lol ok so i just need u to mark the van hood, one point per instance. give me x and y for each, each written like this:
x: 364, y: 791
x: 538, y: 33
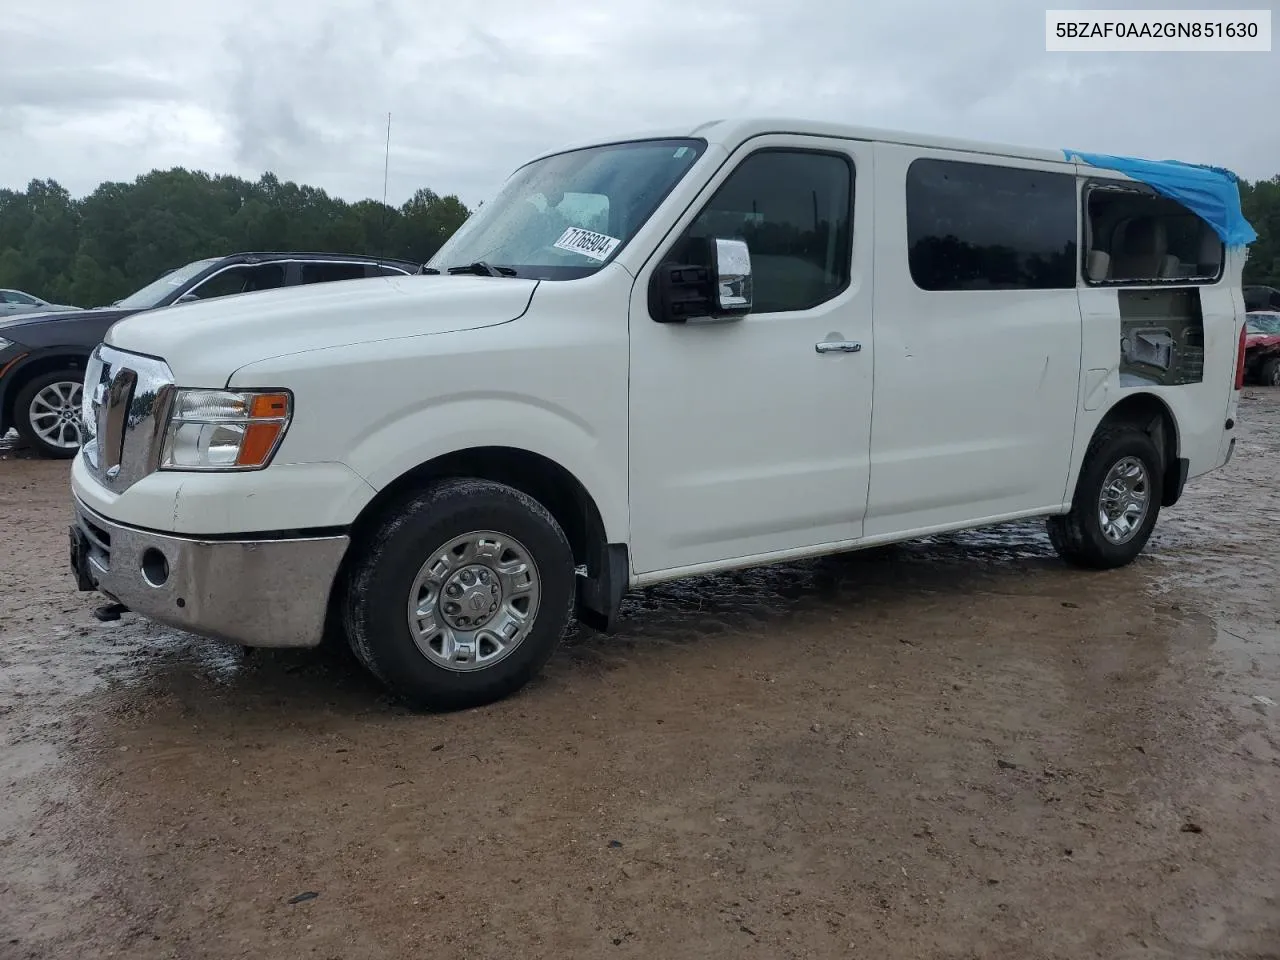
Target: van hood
x: 204, y: 343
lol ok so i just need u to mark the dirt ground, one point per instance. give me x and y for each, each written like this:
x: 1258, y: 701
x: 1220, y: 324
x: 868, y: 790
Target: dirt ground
x: 952, y: 748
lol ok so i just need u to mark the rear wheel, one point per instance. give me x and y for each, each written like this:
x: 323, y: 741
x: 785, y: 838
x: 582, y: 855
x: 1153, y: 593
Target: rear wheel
x: 1116, y: 503
x: 461, y: 595
x: 47, y: 413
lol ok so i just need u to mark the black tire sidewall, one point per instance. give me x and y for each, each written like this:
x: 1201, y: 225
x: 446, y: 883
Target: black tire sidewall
x: 378, y: 592
x: 1104, y: 456
x: 22, y: 411
x: 1270, y: 372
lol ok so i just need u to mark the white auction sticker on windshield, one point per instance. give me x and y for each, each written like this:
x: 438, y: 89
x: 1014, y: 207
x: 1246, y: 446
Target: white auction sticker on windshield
x: 597, y: 246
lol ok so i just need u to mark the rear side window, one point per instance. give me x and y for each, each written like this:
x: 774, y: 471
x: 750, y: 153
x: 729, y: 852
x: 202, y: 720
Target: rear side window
x: 327, y: 272
x: 1138, y: 238
x: 977, y: 226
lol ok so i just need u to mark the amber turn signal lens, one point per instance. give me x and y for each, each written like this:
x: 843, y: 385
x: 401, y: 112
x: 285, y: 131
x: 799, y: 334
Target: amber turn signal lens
x: 269, y: 405
x: 259, y: 440
x: 263, y: 430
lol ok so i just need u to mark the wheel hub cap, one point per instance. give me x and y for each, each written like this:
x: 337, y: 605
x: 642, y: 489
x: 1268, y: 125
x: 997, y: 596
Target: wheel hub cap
x: 1124, y: 500
x: 474, y: 601
x: 471, y: 597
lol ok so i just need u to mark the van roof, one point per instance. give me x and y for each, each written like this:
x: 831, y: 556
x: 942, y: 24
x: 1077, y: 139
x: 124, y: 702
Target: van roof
x: 731, y: 132
x: 1211, y: 192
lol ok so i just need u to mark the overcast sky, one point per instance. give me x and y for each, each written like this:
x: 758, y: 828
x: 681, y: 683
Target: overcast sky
x: 93, y: 91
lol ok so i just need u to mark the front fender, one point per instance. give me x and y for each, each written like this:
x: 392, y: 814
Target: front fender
x: 397, y: 444
x: 557, y: 389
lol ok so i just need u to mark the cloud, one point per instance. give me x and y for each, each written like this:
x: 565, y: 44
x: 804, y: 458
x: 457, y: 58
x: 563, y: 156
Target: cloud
x: 303, y: 87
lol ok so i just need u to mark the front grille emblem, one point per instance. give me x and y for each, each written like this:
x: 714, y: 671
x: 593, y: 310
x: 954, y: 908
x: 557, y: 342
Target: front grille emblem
x: 125, y: 402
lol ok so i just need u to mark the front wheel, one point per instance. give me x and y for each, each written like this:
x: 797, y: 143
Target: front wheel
x: 461, y: 595
x: 1116, y: 503
x: 1271, y: 373
x: 47, y: 413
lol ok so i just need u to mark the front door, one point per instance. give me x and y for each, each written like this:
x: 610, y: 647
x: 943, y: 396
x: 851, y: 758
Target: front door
x: 750, y: 437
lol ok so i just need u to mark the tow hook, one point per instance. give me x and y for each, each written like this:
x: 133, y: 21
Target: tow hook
x: 110, y: 612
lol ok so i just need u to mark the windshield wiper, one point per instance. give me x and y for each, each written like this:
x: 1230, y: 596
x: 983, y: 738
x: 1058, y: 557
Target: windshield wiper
x: 482, y: 269
x: 428, y: 270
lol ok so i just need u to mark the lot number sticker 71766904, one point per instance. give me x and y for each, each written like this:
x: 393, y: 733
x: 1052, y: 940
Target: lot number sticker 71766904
x: 597, y: 246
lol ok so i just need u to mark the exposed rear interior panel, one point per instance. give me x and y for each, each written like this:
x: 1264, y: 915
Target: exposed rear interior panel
x: 1161, y: 337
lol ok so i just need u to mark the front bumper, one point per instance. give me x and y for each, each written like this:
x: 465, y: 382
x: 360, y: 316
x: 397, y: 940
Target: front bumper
x: 259, y: 593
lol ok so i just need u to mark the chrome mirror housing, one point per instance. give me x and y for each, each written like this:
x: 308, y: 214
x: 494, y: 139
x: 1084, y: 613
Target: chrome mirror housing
x: 732, y: 276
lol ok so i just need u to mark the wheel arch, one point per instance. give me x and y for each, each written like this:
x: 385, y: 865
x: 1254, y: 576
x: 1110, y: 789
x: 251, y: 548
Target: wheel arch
x: 1155, y: 417
x: 606, y: 565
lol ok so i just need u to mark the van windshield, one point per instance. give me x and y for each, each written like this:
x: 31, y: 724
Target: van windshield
x: 564, y: 216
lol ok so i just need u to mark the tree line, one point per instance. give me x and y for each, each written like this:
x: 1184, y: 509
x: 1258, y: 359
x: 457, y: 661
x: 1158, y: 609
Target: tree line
x: 99, y: 248
x: 1260, y: 202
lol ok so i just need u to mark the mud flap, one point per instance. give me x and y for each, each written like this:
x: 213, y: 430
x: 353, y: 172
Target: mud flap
x: 80, y: 560
x: 1175, y: 481
x: 600, y: 592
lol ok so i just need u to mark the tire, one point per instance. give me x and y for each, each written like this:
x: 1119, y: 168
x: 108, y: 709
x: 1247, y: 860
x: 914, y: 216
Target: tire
x: 389, y: 574
x: 1270, y: 375
x: 1079, y: 537
x: 41, y: 410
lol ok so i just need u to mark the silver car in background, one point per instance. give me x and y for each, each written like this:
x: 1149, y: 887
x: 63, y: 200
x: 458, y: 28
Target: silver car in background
x: 13, y: 302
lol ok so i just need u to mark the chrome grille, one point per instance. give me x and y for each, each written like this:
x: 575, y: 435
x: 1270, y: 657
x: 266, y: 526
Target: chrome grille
x: 126, y: 400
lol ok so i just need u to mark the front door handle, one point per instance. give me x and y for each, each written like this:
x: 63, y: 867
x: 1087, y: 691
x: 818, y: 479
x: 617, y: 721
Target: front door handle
x: 838, y: 346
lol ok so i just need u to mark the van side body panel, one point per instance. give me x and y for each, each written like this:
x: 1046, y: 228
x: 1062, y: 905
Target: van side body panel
x: 976, y: 390
x: 1200, y: 410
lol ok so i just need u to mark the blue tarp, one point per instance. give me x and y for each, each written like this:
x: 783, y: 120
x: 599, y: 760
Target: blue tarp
x: 1211, y: 192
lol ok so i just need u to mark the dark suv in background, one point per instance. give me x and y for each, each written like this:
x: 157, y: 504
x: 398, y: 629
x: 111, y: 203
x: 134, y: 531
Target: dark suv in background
x: 43, y: 356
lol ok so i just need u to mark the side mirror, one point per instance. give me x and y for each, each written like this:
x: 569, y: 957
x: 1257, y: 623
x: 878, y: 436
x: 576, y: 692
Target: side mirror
x: 187, y: 298
x: 679, y: 293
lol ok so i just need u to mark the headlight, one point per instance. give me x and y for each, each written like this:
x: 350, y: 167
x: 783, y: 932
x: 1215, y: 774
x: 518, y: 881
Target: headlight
x: 224, y: 429
x: 5, y: 344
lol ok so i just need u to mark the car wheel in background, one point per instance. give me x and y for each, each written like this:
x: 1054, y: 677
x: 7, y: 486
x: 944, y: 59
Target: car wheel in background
x: 47, y: 413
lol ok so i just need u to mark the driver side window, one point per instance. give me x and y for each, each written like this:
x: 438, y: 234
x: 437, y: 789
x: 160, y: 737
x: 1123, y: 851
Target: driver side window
x: 794, y: 209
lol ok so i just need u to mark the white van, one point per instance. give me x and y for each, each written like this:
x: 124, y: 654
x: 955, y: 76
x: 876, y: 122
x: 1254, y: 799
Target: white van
x: 747, y: 342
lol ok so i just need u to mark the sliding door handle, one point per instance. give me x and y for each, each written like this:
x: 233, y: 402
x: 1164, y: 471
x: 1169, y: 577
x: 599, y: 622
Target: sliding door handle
x: 838, y: 346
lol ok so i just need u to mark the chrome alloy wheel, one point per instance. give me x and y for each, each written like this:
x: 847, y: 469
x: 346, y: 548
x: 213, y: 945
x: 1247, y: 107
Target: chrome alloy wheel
x: 474, y: 601
x: 54, y: 415
x: 1124, y: 500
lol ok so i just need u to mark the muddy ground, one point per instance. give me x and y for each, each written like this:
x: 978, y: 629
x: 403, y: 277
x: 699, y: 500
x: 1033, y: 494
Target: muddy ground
x: 952, y: 748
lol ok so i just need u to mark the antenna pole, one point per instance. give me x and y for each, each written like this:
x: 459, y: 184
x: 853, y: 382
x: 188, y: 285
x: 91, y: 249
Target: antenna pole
x: 386, y: 169
x: 386, y: 163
